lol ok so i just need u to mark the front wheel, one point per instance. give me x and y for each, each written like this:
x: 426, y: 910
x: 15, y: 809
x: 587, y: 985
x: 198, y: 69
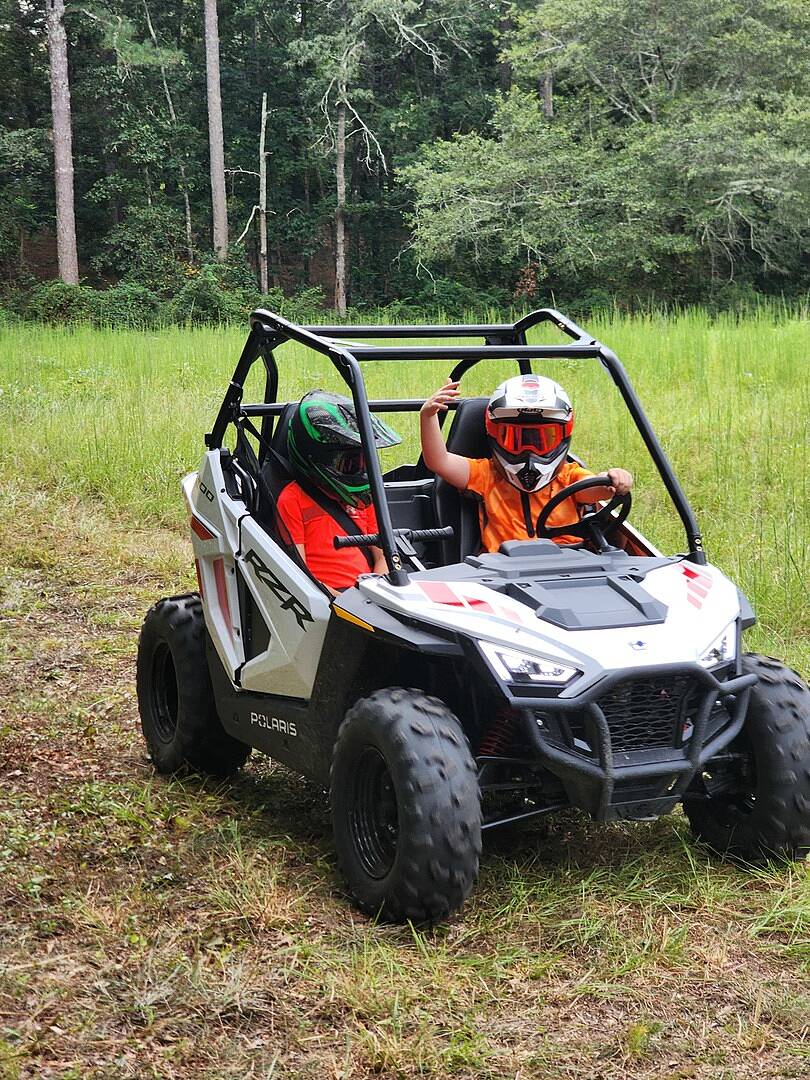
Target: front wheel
x: 753, y: 800
x: 406, y: 807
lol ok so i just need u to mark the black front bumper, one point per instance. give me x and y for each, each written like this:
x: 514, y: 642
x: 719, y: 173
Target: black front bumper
x: 630, y: 745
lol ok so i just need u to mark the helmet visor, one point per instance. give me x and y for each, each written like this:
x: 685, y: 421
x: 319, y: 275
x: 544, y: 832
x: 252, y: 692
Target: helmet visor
x: 350, y: 463
x: 541, y: 439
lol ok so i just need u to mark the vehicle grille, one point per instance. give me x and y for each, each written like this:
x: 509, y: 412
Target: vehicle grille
x: 646, y: 713
x: 641, y: 714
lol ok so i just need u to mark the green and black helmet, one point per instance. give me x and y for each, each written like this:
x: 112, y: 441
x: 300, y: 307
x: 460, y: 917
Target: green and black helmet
x: 325, y: 448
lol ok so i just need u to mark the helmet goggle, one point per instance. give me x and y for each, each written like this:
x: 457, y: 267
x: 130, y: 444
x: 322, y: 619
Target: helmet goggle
x: 521, y: 438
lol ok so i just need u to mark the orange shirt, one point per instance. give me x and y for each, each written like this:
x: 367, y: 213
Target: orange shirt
x: 501, y: 507
x: 309, y: 525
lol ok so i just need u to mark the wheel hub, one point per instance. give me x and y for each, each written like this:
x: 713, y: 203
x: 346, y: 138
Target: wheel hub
x: 164, y: 693
x: 374, y: 817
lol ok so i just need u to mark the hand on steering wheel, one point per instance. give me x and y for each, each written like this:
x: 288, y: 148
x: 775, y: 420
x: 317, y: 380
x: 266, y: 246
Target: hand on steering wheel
x: 596, y: 526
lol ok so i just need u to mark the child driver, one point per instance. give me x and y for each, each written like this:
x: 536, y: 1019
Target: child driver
x: 529, y: 421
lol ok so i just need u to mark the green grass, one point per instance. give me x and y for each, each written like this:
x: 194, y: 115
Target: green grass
x: 188, y: 930
x: 118, y: 417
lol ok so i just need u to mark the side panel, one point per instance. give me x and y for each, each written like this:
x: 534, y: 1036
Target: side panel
x: 215, y: 519
x: 281, y: 727
x: 299, y: 733
x: 295, y: 610
x: 353, y: 662
x: 228, y: 542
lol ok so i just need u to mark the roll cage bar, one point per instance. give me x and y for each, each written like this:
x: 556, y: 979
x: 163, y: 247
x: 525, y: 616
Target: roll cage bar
x: 501, y: 341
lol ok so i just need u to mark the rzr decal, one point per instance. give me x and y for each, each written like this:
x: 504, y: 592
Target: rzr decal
x: 289, y: 602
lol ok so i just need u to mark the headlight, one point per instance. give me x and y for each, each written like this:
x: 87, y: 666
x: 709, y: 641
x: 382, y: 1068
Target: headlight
x: 518, y: 668
x: 722, y: 649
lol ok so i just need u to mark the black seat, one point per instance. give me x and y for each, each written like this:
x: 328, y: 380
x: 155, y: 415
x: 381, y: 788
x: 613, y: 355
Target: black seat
x: 275, y: 476
x: 467, y: 437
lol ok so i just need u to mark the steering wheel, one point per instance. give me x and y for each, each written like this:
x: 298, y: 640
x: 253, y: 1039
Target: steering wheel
x: 596, y: 526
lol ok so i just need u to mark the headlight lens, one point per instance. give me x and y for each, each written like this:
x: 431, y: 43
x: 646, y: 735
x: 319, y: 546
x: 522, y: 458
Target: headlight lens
x: 518, y: 668
x: 722, y: 649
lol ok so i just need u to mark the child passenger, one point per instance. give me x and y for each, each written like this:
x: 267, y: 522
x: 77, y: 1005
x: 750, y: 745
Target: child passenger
x: 529, y: 421
x: 331, y: 489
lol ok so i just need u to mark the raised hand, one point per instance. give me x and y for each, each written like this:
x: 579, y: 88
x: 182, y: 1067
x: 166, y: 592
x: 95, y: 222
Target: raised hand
x: 439, y: 401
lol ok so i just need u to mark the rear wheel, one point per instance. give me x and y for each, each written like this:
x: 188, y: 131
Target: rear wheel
x: 405, y: 806
x: 175, y: 698
x: 753, y: 800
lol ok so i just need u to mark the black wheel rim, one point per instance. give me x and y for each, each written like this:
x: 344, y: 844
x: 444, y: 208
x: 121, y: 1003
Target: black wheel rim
x: 373, y: 817
x: 164, y: 693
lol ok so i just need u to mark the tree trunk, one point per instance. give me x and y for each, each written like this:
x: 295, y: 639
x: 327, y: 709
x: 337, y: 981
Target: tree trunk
x: 307, y: 261
x: 506, y: 26
x: 62, y: 144
x: 215, y: 136
x: 111, y: 170
x: 263, y: 202
x: 187, y: 210
x: 173, y: 115
x: 547, y: 87
x: 340, y: 212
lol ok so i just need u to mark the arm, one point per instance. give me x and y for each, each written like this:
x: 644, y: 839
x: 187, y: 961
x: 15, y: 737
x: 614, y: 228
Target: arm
x: 621, y: 480
x: 380, y: 565
x: 453, y: 468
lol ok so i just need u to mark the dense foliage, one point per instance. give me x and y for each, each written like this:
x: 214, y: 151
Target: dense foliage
x: 585, y: 150
x: 675, y: 164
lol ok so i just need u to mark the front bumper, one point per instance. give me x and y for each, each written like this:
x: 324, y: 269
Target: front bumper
x: 630, y: 745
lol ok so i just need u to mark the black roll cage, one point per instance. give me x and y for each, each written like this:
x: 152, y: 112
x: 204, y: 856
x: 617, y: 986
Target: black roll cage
x: 501, y: 341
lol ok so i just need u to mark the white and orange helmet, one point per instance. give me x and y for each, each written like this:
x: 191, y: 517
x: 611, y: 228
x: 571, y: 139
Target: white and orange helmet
x: 529, y: 421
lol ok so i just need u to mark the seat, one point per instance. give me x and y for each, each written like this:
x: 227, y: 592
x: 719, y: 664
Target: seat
x: 467, y: 437
x: 274, y: 476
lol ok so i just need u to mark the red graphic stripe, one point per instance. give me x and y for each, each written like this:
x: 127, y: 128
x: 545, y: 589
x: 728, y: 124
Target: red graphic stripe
x: 697, y: 585
x: 512, y: 616
x: 201, y: 531
x: 199, y: 578
x: 440, y: 593
x: 697, y: 575
x: 479, y: 605
x: 222, y: 593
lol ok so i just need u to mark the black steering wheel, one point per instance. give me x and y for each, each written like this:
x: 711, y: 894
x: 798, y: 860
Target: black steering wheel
x: 596, y: 526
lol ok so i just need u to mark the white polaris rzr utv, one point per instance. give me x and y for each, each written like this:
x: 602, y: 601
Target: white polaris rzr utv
x: 463, y: 691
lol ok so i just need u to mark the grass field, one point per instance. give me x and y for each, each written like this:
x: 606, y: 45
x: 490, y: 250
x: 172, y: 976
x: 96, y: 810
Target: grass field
x: 185, y: 929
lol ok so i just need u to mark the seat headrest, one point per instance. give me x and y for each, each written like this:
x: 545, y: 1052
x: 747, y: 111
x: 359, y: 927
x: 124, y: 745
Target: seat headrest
x: 468, y: 433
x: 279, y: 440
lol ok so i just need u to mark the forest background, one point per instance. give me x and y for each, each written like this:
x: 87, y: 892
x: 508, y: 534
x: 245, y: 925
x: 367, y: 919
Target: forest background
x: 451, y: 154
x: 424, y: 161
